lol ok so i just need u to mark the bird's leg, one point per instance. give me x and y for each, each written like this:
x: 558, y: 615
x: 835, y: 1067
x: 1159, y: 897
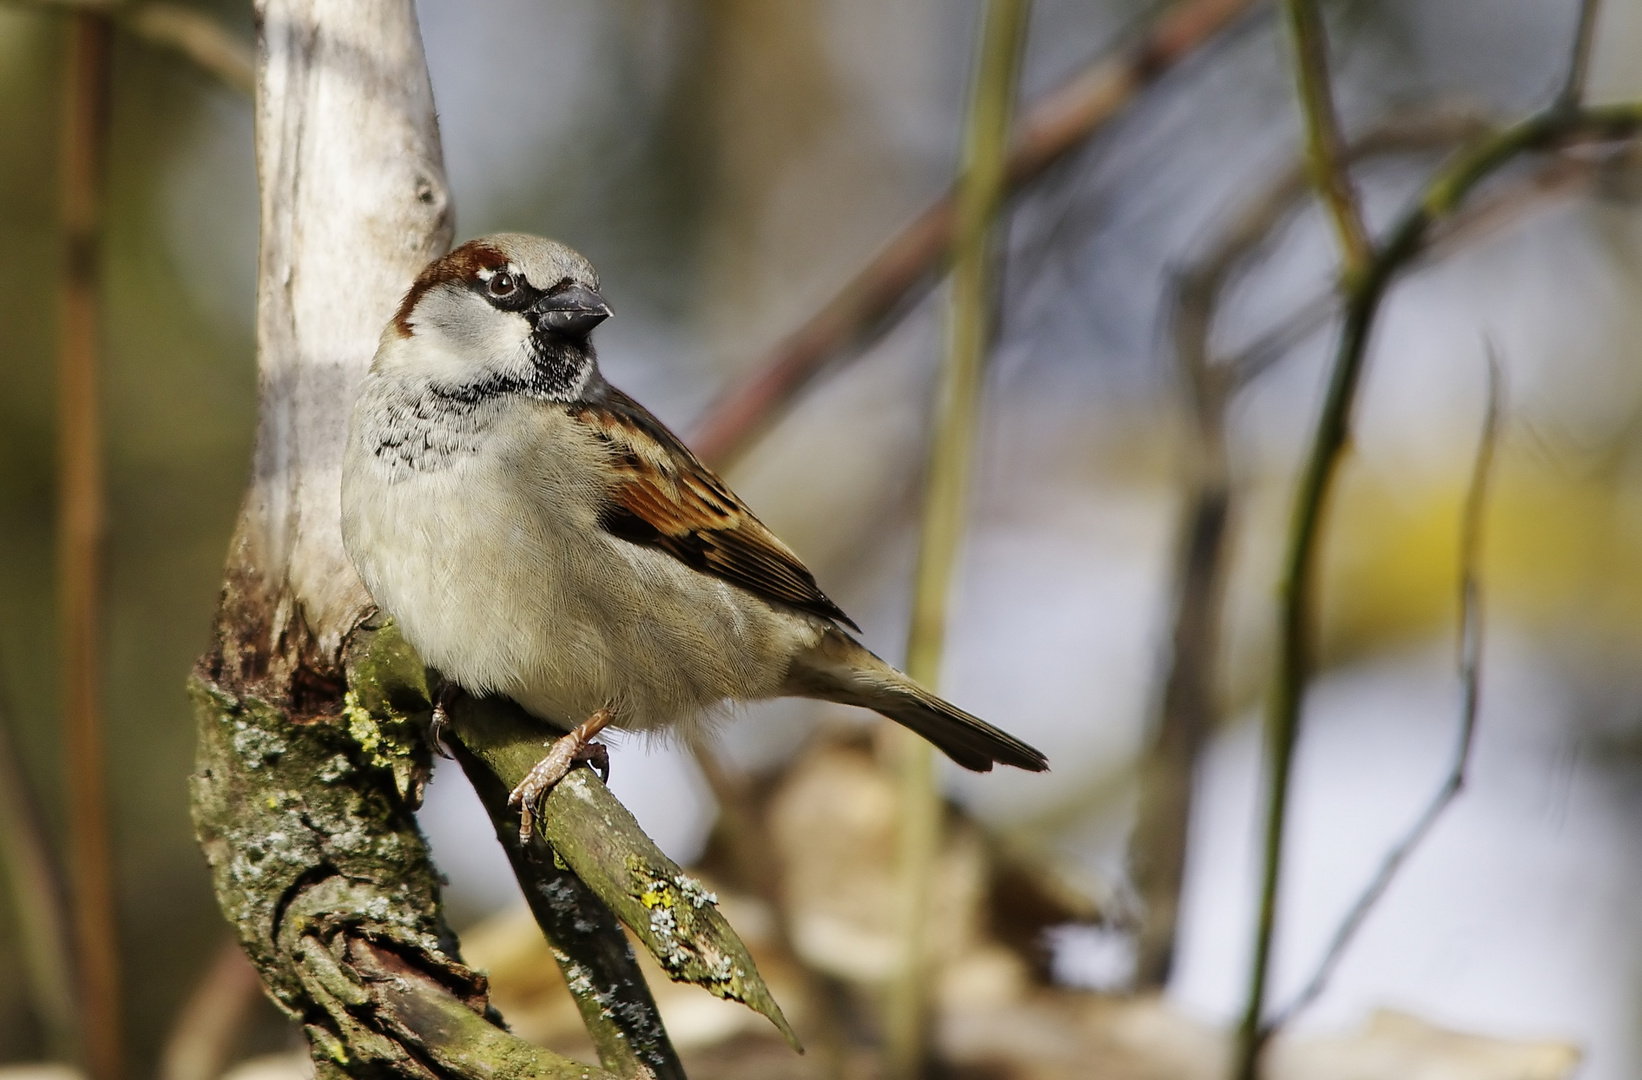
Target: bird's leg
x: 563, y: 753
x: 442, y: 701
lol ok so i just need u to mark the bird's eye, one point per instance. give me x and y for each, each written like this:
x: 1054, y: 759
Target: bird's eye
x: 502, y: 283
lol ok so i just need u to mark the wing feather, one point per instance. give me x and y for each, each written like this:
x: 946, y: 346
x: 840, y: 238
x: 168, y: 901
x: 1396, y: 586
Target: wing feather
x: 667, y: 499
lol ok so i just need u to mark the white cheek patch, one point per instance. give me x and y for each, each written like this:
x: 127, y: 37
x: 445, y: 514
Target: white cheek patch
x: 477, y: 338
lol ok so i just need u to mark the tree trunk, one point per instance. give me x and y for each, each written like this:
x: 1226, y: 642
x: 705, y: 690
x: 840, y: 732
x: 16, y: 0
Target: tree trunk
x: 303, y: 797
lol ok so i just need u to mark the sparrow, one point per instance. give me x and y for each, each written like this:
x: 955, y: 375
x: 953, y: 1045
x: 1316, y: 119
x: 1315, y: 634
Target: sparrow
x: 536, y: 533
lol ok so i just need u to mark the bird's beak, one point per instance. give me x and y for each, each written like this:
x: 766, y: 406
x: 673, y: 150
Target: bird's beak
x: 571, y: 313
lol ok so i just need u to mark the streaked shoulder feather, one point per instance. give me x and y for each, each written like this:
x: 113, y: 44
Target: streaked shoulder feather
x: 666, y: 498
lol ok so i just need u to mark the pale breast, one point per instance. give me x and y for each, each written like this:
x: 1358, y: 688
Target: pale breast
x: 497, y: 570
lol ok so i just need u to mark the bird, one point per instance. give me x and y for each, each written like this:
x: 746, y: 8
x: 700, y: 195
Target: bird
x: 536, y: 533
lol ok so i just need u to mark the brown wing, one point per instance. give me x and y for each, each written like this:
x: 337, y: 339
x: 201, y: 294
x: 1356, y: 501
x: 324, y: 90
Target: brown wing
x: 668, y: 499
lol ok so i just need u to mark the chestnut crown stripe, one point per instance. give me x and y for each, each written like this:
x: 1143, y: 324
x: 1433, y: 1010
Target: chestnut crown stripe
x: 460, y: 266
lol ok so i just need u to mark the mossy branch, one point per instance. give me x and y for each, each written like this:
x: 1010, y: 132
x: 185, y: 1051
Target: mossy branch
x: 390, y: 696
x: 307, y: 824
x: 587, y: 831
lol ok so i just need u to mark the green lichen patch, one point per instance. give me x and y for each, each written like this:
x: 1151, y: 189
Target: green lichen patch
x: 671, y: 913
x: 388, y: 707
x: 279, y: 806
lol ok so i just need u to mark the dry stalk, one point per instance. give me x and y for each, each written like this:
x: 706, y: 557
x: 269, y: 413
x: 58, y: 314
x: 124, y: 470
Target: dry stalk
x: 981, y: 191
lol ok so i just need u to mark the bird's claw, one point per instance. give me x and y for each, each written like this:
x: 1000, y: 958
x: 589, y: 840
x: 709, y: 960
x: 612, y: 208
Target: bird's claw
x: 598, y: 758
x: 563, y: 754
x: 437, y: 728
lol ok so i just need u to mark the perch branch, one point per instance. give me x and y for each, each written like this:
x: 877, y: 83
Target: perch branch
x: 981, y: 192
x: 586, y: 829
x: 1053, y: 127
x: 307, y: 775
x: 1441, y: 197
x: 1470, y: 659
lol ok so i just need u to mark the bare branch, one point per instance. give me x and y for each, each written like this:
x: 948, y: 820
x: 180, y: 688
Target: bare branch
x: 1186, y: 712
x: 204, y: 1036
x: 81, y: 528
x: 981, y: 192
x: 197, y: 36
x: 1441, y: 198
x: 1470, y: 656
x: 1579, y: 63
x: 1049, y: 130
x: 1325, y: 149
x: 38, y: 900
x: 1562, y: 175
x: 184, y: 30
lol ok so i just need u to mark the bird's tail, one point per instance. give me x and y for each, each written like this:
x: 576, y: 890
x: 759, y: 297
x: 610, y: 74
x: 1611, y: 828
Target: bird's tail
x: 839, y: 668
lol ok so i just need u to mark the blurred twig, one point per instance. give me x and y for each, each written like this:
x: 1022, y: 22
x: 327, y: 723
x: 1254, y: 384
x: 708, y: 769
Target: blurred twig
x: 181, y: 29
x: 38, y: 899
x: 1470, y: 657
x: 80, y: 531
x: 208, y: 1026
x: 754, y: 860
x: 1579, y: 64
x: 1442, y: 196
x: 1051, y: 128
x: 1563, y: 175
x: 981, y: 191
x: 197, y: 36
x: 1325, y: 149
x: 1187, y: 710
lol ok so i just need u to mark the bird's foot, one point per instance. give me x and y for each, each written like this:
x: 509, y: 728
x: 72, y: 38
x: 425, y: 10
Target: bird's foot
x: 563, y: 754
x: 437, y: 726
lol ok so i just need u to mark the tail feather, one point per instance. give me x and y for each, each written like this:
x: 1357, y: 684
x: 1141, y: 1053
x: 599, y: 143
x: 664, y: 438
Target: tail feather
x: 839, y: 668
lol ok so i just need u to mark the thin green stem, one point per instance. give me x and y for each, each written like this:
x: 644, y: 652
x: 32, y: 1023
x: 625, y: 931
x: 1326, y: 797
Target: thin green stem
x: 1579, y: 65
x: 1441, y: 198
x: 1470, y: 667
x: 1325, y: 149
x: 981, y: 192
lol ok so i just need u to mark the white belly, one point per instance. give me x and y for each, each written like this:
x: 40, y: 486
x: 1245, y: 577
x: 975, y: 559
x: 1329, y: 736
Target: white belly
x: 496, y: 570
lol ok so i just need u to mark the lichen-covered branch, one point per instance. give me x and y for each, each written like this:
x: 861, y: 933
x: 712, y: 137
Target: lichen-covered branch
x: 311, y: 756
x: 593, y: 835
x: 586, y: 940
x: 308, y: 828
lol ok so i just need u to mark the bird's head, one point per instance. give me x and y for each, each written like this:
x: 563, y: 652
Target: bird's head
x: 507, y: 313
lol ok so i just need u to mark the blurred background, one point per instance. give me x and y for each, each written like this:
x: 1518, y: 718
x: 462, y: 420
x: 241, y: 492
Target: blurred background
x: 727, y: 165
